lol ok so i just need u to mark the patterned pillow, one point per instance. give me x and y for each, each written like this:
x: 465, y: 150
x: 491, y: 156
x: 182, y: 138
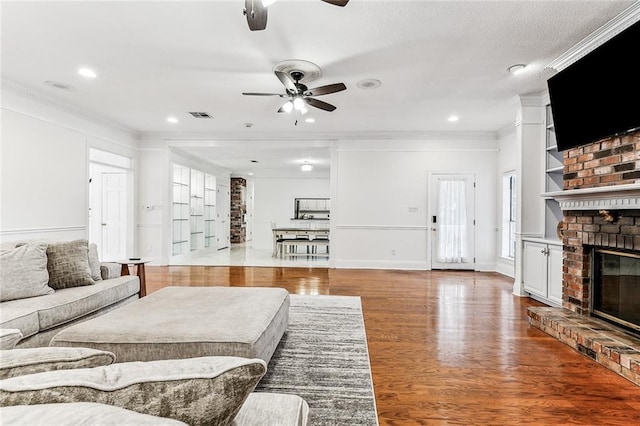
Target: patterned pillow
x: 208, y: 390
x: 23, y: 272
x: 68, y: 264
x: 94, y: 262
x: 20, y: 362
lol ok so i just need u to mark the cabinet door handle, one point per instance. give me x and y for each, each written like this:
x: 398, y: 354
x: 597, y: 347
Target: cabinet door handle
x: 544, y: 251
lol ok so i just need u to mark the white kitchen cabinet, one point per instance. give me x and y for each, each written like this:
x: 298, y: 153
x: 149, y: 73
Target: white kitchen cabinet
x: 542, y: 270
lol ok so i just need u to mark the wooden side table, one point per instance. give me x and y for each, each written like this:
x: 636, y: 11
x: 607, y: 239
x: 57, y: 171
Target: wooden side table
x: 139, y: 263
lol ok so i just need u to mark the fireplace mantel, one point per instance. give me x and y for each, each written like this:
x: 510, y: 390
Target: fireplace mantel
x: 616, y: 197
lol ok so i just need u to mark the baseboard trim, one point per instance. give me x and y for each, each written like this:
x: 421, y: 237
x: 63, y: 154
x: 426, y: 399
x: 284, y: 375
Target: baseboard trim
x: 381, y: 264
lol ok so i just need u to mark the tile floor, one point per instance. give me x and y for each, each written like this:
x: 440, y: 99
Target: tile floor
x: 246, y: 255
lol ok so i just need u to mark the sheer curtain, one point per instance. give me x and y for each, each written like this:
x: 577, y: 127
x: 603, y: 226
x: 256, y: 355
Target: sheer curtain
x: 452, y: 218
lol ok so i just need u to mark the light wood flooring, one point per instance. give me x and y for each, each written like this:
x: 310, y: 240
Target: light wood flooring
x: 449, y: 347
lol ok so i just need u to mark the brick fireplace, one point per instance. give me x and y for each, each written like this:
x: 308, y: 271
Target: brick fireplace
x: 601, y: 206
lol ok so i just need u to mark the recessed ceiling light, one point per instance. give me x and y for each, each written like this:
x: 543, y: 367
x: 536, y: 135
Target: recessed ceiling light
x: 310, y: 120
x: 250, y: 173
x: 306, y: 167
x: 172, y: 120
x: 516, y: 69
x: 369, y: 83
x: 87, y: 72
x: 453, y: 118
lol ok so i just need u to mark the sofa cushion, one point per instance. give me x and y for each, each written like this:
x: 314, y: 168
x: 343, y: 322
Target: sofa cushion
x: 264, y: 408
x: 20, y: 362
x: 78, y: 414
x: 94, y: 262
x: 19, y: 315
x: 23, y: 272
x: 68, y: 264
x: 9, y: 338
x: 207, y: 390
x: 66, y: 304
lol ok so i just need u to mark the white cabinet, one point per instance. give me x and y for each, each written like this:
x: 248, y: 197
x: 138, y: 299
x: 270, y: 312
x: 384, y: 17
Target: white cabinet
x: 542, y: 271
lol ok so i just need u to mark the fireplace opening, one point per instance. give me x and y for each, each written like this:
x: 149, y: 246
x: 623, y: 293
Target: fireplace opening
x: 616, y: 288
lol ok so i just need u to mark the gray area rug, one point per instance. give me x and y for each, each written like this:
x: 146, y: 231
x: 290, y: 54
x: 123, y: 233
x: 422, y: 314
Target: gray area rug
x: 323, y: 358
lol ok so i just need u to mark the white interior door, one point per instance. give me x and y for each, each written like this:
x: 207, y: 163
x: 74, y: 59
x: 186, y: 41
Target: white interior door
x: 452, y: 221
x: 223, y: 216
x: 114, y: 215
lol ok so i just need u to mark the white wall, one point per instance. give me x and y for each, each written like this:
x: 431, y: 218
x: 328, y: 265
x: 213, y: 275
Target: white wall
x: 155, y: 189
x: 380, y: 200
x: 274, y: 201
x: 45, y: 166
x: 507, y: 161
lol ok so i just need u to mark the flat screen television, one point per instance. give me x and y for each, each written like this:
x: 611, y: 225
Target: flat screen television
x: 598, y: 96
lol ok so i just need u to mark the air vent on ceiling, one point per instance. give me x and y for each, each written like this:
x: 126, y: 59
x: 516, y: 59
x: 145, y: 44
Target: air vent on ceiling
x: 200, y: 115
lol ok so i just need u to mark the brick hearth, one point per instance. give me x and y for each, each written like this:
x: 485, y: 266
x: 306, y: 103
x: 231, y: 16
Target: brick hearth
x: 604, y: 343
x: 609, y: 162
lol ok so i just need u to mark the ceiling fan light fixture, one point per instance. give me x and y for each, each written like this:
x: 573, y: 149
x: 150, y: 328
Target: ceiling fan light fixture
x: 298, y: 103
x: 288, y: 106
x: 306, y: 167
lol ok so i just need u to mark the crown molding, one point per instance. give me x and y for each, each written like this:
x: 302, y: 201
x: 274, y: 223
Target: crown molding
x: 603, y: 34
x: 50, y: 101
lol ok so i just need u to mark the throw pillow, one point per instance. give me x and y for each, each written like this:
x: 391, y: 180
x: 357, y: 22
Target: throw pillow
x: 20, y: 362
x: 9, y: 338
x: 68, y: 264
x: 197, y: 391
x: 110, y: 270
x: 94, y: 262
x: 23, y: 272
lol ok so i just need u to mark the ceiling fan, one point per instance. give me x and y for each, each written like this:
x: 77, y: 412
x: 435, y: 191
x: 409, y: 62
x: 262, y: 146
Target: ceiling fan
x: 256, y: 11
x: 299, y: 95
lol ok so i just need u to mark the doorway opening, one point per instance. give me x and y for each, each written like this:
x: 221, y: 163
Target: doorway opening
x: 110, y: 204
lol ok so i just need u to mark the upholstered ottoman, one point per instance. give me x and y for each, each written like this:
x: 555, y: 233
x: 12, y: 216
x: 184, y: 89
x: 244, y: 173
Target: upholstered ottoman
x: 187, y: 322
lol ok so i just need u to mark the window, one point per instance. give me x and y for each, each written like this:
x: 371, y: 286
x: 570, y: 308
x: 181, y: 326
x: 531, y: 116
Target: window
x: 508, y: 215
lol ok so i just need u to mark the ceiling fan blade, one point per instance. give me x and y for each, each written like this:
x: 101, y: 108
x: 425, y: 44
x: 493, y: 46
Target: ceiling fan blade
x: 320, y: 104
x: 325, y: 90
x: 286, y: 80
x: 256, y: 14
x: 261, y: 94
x: 341, y: 3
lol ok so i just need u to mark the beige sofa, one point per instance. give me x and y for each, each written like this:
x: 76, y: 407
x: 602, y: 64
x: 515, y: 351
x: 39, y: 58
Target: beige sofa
x: 40, y: 317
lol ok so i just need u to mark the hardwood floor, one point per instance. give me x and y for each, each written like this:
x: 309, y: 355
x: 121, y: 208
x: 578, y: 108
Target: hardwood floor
x: 450, y: 347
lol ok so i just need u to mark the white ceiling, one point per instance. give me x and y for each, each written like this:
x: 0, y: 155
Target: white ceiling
x: 160, y: 58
